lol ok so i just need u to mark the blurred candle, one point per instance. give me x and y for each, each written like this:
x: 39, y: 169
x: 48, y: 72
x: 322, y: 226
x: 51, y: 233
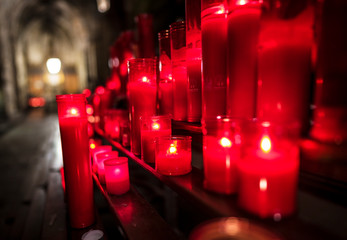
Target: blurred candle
x: 173, y: 155
x: 117, y: 175
x: 152, y: 127
x: 284, y: 65
x: 97, y: 150
x: 179, y: 70
x: 193, y: 42
x: 142, y: 92
x: 221, y: 152
x: 100, y: 158
x: 214, y: 71
x: 77, y: 167
x: 243, y: 30
x: 268, y: 173
x: 165, y: 71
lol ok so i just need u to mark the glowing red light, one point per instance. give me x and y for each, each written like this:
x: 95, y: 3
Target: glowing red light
x: 155, y: 126
x: 87, y: 92
x: 89, y: 109
x: 265, y: 144
x: 100, y: 90
x: 263, y: 184
x: 145, y: 79
x: 96, y: 100
x: 265, y: 124
x: 172, y: 149
x: 225, y: 142
x: 92, y: 146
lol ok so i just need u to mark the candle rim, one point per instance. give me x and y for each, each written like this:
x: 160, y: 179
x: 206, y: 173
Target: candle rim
x: 174, y: 137
x: 106, y: 155
x: 70, y: 97
x: 115, y: 161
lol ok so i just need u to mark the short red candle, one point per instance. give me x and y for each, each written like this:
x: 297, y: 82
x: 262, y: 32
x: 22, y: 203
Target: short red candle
x: 77, y: 167
x: 117, y: 175
x: 214, y: 71
x: 221, y: 152
x: 142, y: 92
x: 179, y: 70
x: 173, y: 155
x: 152, y: 127
x: 97, y: 150
x: 243, y: 30
x: 100, y: 159
x: 268, y: 172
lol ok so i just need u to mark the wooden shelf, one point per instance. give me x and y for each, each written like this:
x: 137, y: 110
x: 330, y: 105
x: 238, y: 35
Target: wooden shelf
x: 190, y: 188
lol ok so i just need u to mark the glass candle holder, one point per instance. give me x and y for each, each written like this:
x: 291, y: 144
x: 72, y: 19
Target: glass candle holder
x: 77, y: 168
x: 243, y: 30
x: 214, y: 58
x: 142, y: 92
x: 125, y: 132
x: 97, y: 150
x: 117, y: 175
x: 100, y: 159
x: 284, y: 63
x: 193, y: 42
x: 165, y: 97
x: 152, y: 127
x: 268, y: 171
x: 112, y: 122
x: 173, y: 155
x: 179, y: 70
x: 221, y: 153
x: 330, y: 112
x: 145, y: 35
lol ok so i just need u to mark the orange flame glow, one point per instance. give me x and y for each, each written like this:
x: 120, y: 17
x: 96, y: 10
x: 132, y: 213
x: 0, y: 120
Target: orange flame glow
x: 265, y: 144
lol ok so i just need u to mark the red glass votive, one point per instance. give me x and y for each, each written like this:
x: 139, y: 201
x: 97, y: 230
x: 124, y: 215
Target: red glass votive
x: 268, y: 171
x: 77, y: 167
x: 193, y: 42
x: 214, y: 45
x: 243, y: 29
x: 179, y: 70
x: 100, y: 158
x: 173, y: 155
x: 117, y: 175
x: 112, y: 122
x: 125, y: 133
x: 152, y: 127
x: 165, y: 72
x: 97, y: 150
x: 284, y: 65
x: 221, y: 153
x: 142, y: 92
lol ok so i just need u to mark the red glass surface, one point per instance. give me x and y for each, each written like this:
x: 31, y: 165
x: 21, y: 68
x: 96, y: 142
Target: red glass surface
x: 179, y: 70
x: 243, y: 30
x: 173, y: 155
x: 214, y: 72
x: 145, y: 35
x: 97, y: 150
x: 193, y: 42
x: 221, y: 153
x: 113, y: 121
x: 100, y: 159
x: 152, y: 127
x: 268, y: 171
x: 142, y: 93
x: 117, y: 175
x: 77, y: 167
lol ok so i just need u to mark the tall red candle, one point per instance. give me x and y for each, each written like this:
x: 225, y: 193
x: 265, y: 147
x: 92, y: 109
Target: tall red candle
x: 268, y: 172
x: 142, y: 92
x: 152, y: 127
x: 193, y: 42
x: 77, y: 167
x: 179, y: 70
x: 243, y: 30
x: 221, y: 153
x: 214, y: 71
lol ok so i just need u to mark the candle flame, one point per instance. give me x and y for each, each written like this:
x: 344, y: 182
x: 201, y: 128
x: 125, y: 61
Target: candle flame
x: 265, y: 144
x: 242, y: 2
x: 263, y: 184
x: 155, y: 126
x: 225, y: 142
x: 221, y: 11
x: 92, y: 146
x: 145, y: 79
x: 172, y: 149
x: 73, y: 111
x: 117, y: 171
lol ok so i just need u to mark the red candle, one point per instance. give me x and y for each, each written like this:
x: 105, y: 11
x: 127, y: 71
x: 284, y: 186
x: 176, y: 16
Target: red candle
x: 193, y: 42
x: 117, y: 175
x: 173, y: 155
x: 221, y: 152
x: 243, y: 30
x: 268, y: 174
x: 113, y: 120
x: 284, y: 68
x: 97, y: 150
x: 77, y: 167
x: 165, y: 96
x: 142, y: 93
x: 214, y: 71
x: 100, y: 159
x: 152, y: 127
x: 179, y: 70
